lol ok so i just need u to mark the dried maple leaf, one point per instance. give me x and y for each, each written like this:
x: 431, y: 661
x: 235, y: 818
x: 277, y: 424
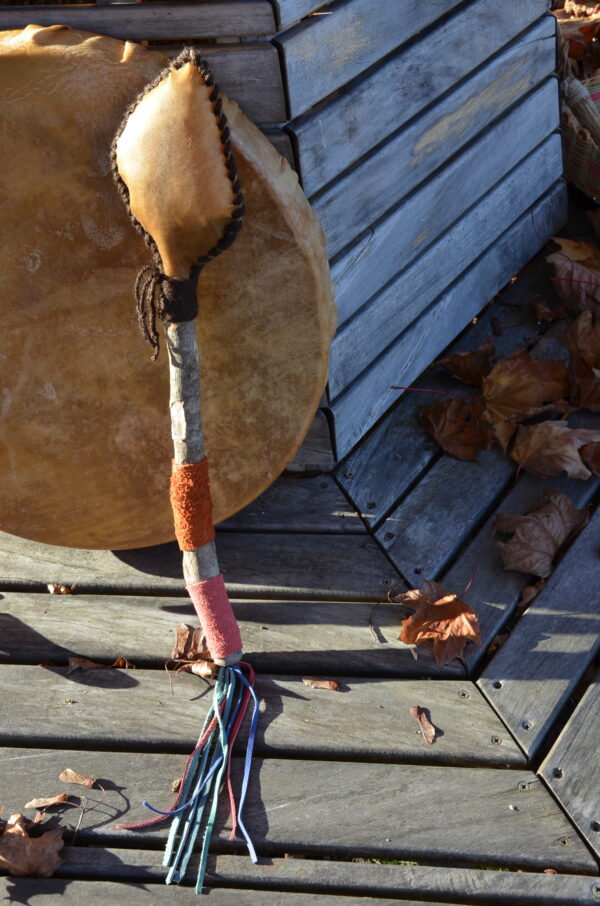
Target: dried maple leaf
x: 471, y: 367
x: 439, y: 616
x: 590, y: 456
x: 71, y: 776
x: 551, y: 447
x: 583, y: 342
x: 84, y: 663
x: 539, y: 534
x: 25, y: 856
x: 316, y: 683
x: 123, y: 664
x: 60, y: 799
x: 457, y: 427
x: 519, y: 387
x: 55, y: 589
x: 577, y: 275
x: 427, y: 728
x: 190, y: 644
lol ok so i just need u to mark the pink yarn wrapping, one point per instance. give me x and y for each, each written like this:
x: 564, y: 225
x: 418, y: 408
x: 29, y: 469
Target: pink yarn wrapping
x: 216, y: 616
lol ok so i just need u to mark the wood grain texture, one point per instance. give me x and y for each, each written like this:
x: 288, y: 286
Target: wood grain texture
x: 289, y: 798
x: 325, y: 52
x: 74, y: 893
x: 298, y: 504
x: 467, y: 885
x: 390, y: 460
x: 392, y: 310
x: 366, y: 400
x: 334, y: 137
x: 358, y: 198
x: 136, y: 710
x: 316, y: 451
x: 433, y: 523
x: 288, y: 12
x: 151, y: 21
x: 532, y: 675
x: 313, y: 566
x: 572, y: 768
x: 279, y: 636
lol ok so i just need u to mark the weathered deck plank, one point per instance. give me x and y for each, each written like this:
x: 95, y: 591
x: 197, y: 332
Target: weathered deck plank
x: 288, y: 799
x: 337, y: 567
x: 290, y: 11
x: 279, y: 636
x: 74, y: 893
x: 334, y: 137
x: 361, y: 405
x: 325, y: 52
x: 369, y: 720
x: 298, y: 504
x: 572, y: 768
x: 151, y: 21
x: 316, y: 451
x: 467, y: 885
x: 532, y: 675
x: 392, y: 310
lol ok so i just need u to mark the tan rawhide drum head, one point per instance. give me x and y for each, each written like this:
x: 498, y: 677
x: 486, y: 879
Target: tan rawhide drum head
x: 84, y: 424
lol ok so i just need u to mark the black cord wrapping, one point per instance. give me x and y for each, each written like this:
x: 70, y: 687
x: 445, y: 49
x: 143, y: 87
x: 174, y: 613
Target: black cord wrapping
x: 158, y: 296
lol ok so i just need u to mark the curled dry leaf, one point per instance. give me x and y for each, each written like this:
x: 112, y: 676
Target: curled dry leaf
x: 456, y: 425
x: 55, y: 589
x: 190, y: 644
x: 552, y: 447
x: 528, y: 594
x: 577, y: 275
x: 590, y: 456
x: 84, y: 663
x: 60, y: 799
x: 519, y: 387
x: 25, y: 856
x: 205, y: 669
x: 583, y: 342
x: 427, y: 728
x: 71, y: 776
x: 544, y: 310
x: 471, y: 367
x: 317, y: 683
x: 123, y: 663
x: 539, y: 534
x: 439, y: 616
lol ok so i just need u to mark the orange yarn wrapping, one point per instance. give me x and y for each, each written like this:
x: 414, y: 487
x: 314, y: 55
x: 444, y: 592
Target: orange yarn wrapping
x: 192, y: 504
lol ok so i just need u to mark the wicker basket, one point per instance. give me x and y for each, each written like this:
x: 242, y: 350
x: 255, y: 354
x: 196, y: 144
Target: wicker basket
x: 581, y: 152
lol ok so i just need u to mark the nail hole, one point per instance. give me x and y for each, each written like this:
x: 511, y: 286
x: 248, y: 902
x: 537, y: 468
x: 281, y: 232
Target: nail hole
x: 565, y: 841
x: 418, y: 570
x: 497, y: 684
x: 388, y: 536
x: 595, y: 825
x: 371, y: 505
x: 526, y: 725
x: 557, y: 772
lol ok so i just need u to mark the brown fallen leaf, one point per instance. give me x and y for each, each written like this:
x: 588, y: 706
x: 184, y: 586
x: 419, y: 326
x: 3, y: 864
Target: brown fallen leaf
x: 190, y: 644
x: 427, y: 728
x: 497, y: 642
x: 205, y: 669
x: 528, y: 594
x: 316, y: 683
x: 577, y: 275
x: 55, y: 589
x: 583, y: 342
x: 25, y: 856
x: 60, y: 799
x: 471, y: 367
x: 71, y: 776
x: 123, y: 664
x: 457, y: 427
x: 84, y: 663
x: 550, y: 871
x: 552, y: 447
x: 176, y: 784
x: 439, y: 616
x: 539, y: 534
x: 590, y: 456
x: 544, y: 310
x: 519, y: 387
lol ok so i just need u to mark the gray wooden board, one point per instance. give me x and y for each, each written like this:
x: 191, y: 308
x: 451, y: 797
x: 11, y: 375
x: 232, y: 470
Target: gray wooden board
x: 431, y: 524
x: 572, y: 768
x: 139, y: 709
x: 388, y: 811
x: 335, y: 136
x: 316, y: 451
x: 393, y: 309
x: 379, y: 182
x: 298, y: 504
x: 152, y: 21
x: 478, y: 575
x: 43, y: 892
x: 388, y: 462
x: 315, y: 566
x: 279, y: 636
x: 290, y: 11
x: 365, y: 267
x: 469, y: 885
x: 325, y: 52
x: 362, y: 404
x: 532, y: 675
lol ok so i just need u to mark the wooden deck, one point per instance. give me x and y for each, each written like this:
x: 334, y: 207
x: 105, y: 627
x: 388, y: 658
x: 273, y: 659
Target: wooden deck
x: 348, y: 804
